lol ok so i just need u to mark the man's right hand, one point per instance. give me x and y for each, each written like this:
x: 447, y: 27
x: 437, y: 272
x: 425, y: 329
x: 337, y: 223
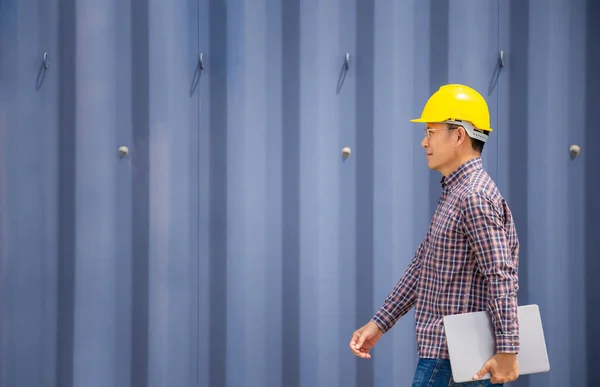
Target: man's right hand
x: 365, y: 338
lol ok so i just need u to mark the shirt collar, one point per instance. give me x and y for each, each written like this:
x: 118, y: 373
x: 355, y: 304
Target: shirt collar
x: 461, y: 172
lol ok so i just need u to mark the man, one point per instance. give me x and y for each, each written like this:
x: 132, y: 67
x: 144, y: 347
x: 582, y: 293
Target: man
x: 468, y: 259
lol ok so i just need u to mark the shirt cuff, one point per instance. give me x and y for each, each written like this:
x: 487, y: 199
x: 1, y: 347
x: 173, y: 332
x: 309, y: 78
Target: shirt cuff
x: 507, y: 343
x: 381, y: 321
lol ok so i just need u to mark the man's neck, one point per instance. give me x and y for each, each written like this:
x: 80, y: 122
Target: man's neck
x: 459, y: 161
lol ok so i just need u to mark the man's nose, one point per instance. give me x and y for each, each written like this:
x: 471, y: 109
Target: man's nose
x: 425, y: 143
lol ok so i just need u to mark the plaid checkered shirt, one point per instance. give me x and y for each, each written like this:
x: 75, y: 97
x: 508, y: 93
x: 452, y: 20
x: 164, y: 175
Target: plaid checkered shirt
x: 467, y: 262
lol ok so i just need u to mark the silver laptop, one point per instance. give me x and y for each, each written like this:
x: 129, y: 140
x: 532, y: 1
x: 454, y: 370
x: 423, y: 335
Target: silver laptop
x: 471, y: 342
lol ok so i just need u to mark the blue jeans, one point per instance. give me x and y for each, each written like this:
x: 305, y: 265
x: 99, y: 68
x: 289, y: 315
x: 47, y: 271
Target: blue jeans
x: 437, y: 373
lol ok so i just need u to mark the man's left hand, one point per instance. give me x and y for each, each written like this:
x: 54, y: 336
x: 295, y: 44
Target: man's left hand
x: 503, y: 367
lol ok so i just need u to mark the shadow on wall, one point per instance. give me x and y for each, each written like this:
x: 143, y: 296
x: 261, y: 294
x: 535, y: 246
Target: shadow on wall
x: 218, y: 195
x: 518, y: 90
x: 592, y: 187
x: 438, y: 75
x: 66, y: 205
x: 291, y: 193
x: 140, y: 194
x: 365, y: 22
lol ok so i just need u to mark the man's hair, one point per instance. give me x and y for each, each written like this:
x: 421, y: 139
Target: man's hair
x: 477, y: 144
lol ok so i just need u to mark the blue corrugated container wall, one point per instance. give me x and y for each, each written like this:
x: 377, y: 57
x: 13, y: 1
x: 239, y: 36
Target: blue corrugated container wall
x: 234, y: 245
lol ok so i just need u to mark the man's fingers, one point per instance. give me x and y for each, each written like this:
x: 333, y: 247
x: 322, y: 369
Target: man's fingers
x: 503, y: 378
x: 360, y: 341
x: 484, y: 370
x: 354, y: 344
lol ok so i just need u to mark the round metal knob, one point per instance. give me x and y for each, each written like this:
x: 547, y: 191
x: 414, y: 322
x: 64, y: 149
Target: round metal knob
x: 123, y: 151
x: 346, y: 152
x: 574, y: 150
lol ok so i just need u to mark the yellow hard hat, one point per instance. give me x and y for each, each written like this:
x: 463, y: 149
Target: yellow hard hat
x: 455, y: 102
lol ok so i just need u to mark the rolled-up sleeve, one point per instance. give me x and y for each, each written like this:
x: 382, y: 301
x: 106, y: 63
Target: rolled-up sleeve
x: 484, y: 224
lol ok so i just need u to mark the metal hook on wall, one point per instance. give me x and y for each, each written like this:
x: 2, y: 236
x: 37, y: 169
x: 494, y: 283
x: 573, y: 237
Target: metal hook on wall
x: 201, y: 60
x: 347, y: 62
x: 46, y: 63
x: 501, y: 58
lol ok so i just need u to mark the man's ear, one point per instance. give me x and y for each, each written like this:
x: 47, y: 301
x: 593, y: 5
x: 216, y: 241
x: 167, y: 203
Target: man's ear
x: 462, y: 134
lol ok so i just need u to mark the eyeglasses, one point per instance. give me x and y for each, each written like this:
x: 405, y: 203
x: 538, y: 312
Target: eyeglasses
x: 430, y: 131
x: 471, y: 131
